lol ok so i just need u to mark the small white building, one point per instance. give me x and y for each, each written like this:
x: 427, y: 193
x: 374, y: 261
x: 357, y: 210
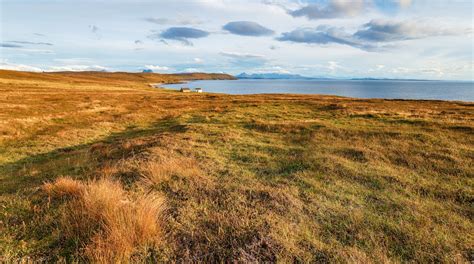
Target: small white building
x: 198, y: 90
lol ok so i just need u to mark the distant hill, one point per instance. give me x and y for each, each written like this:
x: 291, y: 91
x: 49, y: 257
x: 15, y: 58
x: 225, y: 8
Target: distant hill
x: 114, y: 77
x: 270, y: 76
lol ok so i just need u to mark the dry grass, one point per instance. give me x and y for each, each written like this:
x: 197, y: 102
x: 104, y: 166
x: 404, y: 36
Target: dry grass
x: 257, y: 178
x: 169, y: 166
x: 108, y: 225
x: 64, y: 187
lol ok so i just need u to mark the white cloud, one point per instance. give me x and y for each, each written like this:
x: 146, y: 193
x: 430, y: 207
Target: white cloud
x: 386, y: 31
x: 157, y: 68
x: 241, y: 55
x: 5, y: 65
x: 377, y: 69
x: 245, y: 60
x: 77, y: 68
x: 334, y: 9
x: 376, y: 35
x: 272, y: 69
x: 333, y: 65
x: 191, y: 70
x: 74, y: 61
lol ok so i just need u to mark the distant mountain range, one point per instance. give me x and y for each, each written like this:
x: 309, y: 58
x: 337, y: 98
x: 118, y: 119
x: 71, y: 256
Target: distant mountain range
x: 282, y: 76
x: 385, y: 79
x: 270, y: 76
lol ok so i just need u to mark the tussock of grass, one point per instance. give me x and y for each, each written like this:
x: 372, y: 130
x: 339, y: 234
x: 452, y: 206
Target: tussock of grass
x: 64, y: 187
x: 108, y: 224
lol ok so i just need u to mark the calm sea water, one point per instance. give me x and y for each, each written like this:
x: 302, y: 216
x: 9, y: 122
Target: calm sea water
x: 388, y: 89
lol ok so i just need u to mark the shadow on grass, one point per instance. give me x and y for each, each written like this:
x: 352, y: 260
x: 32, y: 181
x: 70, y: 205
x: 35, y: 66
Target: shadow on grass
x: 79, y: 160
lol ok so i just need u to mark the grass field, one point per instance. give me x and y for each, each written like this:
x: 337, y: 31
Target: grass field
x: 100, y: 167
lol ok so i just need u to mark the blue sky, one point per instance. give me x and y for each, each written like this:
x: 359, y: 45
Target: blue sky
x: 330, y: 38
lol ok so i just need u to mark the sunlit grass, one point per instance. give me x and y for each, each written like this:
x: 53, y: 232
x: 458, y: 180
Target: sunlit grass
x: 106, y: 169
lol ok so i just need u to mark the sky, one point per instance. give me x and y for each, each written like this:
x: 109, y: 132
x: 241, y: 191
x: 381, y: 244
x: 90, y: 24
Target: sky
x: 421, y: 39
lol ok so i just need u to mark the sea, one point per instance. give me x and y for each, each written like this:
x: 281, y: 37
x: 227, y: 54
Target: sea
x: 385, y: 89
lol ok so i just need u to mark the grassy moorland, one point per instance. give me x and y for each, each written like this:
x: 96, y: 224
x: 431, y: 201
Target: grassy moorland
x: 100, y: 167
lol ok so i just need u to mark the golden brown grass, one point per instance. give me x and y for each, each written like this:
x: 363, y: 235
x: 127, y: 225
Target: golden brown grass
x: 64, y: 187
x: 258, y: 178
x: 170, y: 166
x: 108, y: 225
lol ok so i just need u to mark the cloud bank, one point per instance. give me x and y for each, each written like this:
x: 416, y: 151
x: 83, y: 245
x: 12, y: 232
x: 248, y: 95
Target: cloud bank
x: 386, y: 31
x: 245, y: 59
x: 77, y: 68
x: 372, y: 36
x: 157, y: 68
x: 334, y: 9
x: 30, y: 43
x: 9, y: 45
x: 183, y: 34
x: 345, y: 8
x: 6, y: 65
x: 247, y: 28
x: 322, y: 35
